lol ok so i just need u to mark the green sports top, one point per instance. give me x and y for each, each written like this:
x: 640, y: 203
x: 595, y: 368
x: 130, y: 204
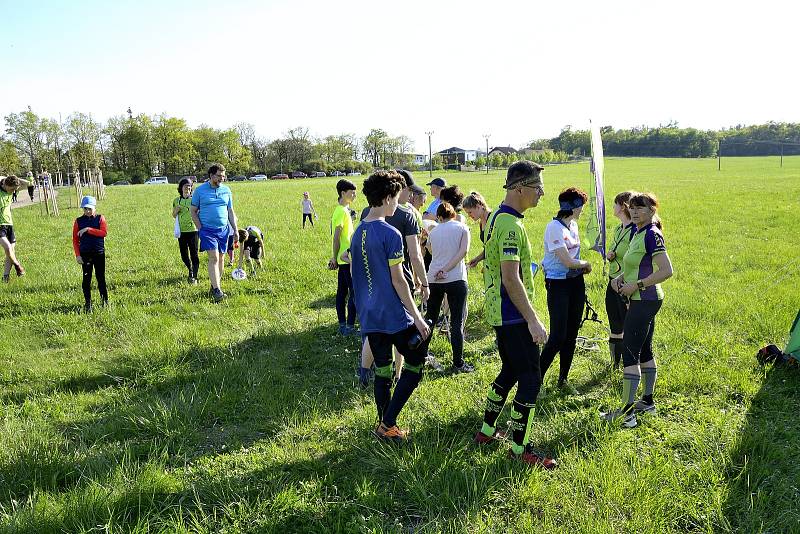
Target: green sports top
x: 341, y: 217
x: 506, y: 240
x: 619, y: 245
x: 638, y: 261
x: 5, y: 208
x: 185, y: 221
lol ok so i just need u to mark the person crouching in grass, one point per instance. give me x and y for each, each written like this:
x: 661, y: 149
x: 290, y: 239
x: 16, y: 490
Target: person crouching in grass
x: 387, y: 311
x: 252, y: 249
x: 88, y: 241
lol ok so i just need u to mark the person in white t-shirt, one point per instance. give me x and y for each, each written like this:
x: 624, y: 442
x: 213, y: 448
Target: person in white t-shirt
x: 563, y: 278
x: 308, y: 209
x: 447, y: 276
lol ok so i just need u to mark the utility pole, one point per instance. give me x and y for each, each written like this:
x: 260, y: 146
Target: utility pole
x: 487, y: 136
x: 719, y: 154
x: 430, y: 154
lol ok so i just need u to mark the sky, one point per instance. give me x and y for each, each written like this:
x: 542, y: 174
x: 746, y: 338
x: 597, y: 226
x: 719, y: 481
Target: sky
x: 462, y: 69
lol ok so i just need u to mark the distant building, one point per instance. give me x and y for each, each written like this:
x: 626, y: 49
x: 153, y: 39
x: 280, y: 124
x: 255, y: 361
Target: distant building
x: 502, y: 151
x: 455, y: 156
x: 420, y: 159
x: 530, y: 152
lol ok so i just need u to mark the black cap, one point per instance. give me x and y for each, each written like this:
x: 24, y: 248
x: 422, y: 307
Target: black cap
x: 406, y: 176
x: 438, y: 181
x: 417, y: 190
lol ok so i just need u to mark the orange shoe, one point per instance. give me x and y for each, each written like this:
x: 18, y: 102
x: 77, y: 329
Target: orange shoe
x: 483, y: 439
x: 392, y: 433
x: 531, y: 457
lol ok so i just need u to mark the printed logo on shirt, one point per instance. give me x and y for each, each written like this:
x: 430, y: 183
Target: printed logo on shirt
x: 398, y: 254
x: 509, y: 251
x: 659, y: 239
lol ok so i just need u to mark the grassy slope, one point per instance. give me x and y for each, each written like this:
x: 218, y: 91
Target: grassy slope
x: 169, y: 412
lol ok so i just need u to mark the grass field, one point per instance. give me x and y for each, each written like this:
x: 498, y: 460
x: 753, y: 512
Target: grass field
x: 167, y: 412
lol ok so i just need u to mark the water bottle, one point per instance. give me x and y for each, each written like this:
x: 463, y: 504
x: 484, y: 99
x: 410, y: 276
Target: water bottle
x: 417, y: 339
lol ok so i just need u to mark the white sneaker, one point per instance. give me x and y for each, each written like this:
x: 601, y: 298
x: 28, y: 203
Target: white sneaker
x: 643, y: 407
x: 626, y: 420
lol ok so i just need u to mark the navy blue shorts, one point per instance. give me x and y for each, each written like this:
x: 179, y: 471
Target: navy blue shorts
x: 214, y: 239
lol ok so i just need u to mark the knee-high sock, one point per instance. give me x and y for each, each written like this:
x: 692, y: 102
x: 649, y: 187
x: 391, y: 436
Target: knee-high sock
x: 402, y: 392
x: 649, y: 374
x: 520, y: 426
x: 495, y: 399
x: 630, y: 383
x: 383, y: 389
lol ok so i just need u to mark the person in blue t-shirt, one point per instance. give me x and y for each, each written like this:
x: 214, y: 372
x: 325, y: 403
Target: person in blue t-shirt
x: 385, y: 305
x: 212, y: 212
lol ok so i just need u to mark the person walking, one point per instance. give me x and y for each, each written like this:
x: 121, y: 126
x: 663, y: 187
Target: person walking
x: 645, y: 266
x: 447, y: 277
x: 187, y: 238
x: 563, y: 279
x: 8, y: 188
x: 616, y: 305
x: 508, y: 279
x: 212, y: 212
x: 88, y: 242
x: 31, y: 184
x: 308, y: 209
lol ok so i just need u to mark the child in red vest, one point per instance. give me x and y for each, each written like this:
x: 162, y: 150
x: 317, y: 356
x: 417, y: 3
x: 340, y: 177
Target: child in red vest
x: 88, y: 241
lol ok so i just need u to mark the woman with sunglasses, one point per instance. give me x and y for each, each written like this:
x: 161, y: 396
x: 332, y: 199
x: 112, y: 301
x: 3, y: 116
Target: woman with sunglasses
x: 563, y: 278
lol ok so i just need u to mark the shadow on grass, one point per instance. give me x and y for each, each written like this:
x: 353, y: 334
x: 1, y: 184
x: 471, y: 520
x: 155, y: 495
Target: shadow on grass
x: 764, y: 471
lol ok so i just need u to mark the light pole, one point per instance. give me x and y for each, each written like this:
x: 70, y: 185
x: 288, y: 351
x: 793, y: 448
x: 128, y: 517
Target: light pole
x: 430, y: 154
x: 487, y: 136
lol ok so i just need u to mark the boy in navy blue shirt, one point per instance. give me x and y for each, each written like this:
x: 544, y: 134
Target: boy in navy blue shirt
x: 387, y: 312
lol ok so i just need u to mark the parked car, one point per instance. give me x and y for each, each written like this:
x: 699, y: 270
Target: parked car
x: 157, y: 180
x: 280, y: 176
x: 121, y: 182
x: 338, y: 173
x: 258, y: 177
x: 318, y: 174
x: 299, y: 174
x: 353, y: 174
x: 238, y: 178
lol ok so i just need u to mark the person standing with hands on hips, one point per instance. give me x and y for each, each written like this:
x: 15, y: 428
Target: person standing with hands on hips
x: 88, y: 242
x: 508, y: 278
x: 212, y: 212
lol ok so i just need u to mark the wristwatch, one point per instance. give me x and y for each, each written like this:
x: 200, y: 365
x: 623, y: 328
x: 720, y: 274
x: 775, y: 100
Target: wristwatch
x: 640, y: 285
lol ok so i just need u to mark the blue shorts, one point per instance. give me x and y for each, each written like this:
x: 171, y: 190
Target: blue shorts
x: 214, y: 239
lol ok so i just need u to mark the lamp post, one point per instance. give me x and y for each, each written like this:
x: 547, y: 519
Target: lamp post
x: 487, y: 136
x: 430, y: 154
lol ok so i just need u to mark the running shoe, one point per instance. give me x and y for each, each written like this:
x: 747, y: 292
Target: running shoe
x: 627, y: 420
x: 393, y: 433
x: 431, y: 361
x: 642, y: 407
x: 532, y: 457
x: 483, y: 439
x: 6, y: 278
x: 19, y: 269
x: 463, y: 368
x: 217, y: 294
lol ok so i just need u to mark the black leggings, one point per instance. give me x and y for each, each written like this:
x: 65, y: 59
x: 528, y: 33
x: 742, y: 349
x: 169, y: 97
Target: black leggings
x: 188, y: 243
x: 519, y: 357
x: 98, y: 262
x: 30, y: 191
x: 565, y: 300
x: 310, y: 219
x: 616, y: 310
x: 344, y: 296
x: 640, y: 322
x: 457, y: 299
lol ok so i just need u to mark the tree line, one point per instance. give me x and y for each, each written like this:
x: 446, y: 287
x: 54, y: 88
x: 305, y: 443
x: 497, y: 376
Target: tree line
x: 672, y: 141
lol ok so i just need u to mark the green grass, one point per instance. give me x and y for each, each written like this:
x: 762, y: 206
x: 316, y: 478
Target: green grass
x: 169, y: 413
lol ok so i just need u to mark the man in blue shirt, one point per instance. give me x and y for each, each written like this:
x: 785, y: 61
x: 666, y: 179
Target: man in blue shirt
x: 387, y: 311
x: 212, y: 211
x: 436, y: 185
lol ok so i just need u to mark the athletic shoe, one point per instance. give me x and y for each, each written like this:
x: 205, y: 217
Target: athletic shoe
x: 567, y: 388
x: 217, y: 294
x: 431, y: 361
x: 483, y: 439
x: 343, y: 329
x: 353, y: 331
x: 19, y: 269
x: 627, y: 420
x: 393, y: 434
x: 463, y: 368
x: 642, y: 407
x: 87, y: 308
x: 6, y: 278
x: 531, y: 457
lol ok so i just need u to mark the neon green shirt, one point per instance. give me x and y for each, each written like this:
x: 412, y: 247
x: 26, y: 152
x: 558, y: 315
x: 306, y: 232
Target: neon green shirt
x: 638, y: 263
x: 5, y: 208
x: 506, y: 240
x: 341, y: 217
x: 619, y: 244
x: 184, y: 216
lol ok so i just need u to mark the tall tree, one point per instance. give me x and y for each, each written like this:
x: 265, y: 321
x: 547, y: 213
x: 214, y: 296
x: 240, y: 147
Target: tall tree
x: 25, y: 131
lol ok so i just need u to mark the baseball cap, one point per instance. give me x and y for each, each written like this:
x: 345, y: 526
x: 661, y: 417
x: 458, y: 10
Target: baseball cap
x: 438, y: 181
x: 409, y: 179
x: 88, y: 202
x: 417, y: 190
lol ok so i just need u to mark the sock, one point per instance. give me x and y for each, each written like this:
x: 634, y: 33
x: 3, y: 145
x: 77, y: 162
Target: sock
x: 383, y: 387
x: 402, y: 392
x: 520, y: 426
x: 649, y: 374
x: 615, y: 348
x: 495, y: 399
x: 630, y: 383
